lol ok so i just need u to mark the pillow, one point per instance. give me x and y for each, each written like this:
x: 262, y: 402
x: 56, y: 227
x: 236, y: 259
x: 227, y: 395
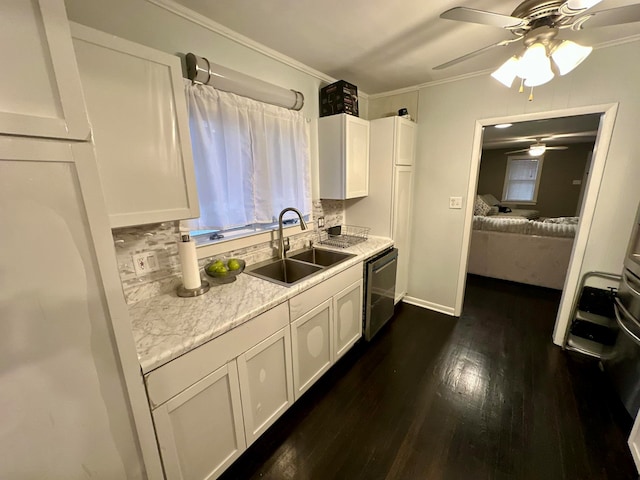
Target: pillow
x: 490, y: 199
x: 493, y: 210
x: 481, y: 207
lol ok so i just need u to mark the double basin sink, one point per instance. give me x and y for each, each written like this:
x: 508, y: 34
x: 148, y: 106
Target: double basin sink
x: 297, y: 266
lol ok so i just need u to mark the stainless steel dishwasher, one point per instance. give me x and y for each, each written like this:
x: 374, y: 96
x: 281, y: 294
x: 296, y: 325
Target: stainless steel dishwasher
x: 380, y: 290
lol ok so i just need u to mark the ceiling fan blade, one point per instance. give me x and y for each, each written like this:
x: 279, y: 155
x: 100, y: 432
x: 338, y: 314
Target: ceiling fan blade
x: 612, y: 16
x: 517, y: 151
x: 463, y: 14
x: 555, y: 136
x: 581, y: 4
x: 475, y: 53
x: 559, y: 147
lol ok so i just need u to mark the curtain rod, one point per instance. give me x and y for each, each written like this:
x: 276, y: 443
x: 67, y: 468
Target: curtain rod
x: 200, y: 70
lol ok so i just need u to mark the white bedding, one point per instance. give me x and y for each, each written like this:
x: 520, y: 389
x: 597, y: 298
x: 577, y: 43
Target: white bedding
x: 519, y: 212
x: 523, y: 226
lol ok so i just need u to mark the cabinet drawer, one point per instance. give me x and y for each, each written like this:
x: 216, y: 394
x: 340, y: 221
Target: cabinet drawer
x: 301, y: 304
x: 177, y: 375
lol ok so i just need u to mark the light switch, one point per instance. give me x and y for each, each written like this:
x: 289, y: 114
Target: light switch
x: 455, y: 202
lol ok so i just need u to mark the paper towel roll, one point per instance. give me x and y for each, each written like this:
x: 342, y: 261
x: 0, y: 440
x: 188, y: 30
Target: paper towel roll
x: 189, y: 264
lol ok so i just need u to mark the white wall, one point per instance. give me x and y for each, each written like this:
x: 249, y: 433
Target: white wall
x: 447, y: 114
x: 387, y: 106
x: 145, y: 23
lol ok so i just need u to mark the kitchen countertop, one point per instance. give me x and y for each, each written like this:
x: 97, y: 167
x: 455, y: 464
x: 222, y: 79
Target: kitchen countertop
x: 167, y: 326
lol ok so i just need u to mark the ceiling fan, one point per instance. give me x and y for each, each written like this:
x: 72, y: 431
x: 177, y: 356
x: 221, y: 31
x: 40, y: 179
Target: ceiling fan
x: 537, y: 23
x: 538, y: 148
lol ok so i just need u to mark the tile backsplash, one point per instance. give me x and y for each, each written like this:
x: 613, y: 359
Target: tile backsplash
x: 162, y: 239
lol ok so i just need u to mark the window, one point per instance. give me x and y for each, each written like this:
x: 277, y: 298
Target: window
x: 522, y: 179
x: 251, y: 161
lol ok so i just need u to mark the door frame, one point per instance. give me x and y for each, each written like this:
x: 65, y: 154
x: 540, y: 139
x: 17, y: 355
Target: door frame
x: 601, y: 148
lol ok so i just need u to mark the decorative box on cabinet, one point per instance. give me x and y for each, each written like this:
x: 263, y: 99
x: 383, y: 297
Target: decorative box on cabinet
x: 326, y: 321
x: 40, y: 92
x: 343, y: 144
x: 137, y: 110
x: 387, y: 208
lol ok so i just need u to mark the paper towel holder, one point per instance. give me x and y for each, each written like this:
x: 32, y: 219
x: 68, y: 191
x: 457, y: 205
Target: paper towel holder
x: 193, y: 292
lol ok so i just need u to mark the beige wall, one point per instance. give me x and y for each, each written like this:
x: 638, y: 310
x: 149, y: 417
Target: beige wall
x: 557, y: 195
x: 448, y: 113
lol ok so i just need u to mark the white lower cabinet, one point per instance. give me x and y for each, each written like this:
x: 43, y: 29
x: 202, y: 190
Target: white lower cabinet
x: 200, y: 431
x: 266, y: 383
x: 347, y: 310
x: 211, y: 403
x: 326, y: 321
x: 312, y: 338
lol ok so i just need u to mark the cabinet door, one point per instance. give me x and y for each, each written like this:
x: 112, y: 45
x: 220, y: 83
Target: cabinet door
x: 70, y: 371
x: 40, y: 93
x: 137, y: 108
x: 312, y: 342
x: 357, y: 157
x: 347, y: 312
x: 266, y: 383
x: 405, y: 145
x: 403, y: 184
x: 200, y: 430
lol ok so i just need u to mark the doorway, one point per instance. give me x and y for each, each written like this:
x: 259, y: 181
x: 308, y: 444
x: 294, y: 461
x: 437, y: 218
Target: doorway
x: 606, y: 115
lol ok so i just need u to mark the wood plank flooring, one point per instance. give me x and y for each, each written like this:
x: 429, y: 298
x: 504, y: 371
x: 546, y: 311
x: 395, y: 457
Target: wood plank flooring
x: 485, y: 396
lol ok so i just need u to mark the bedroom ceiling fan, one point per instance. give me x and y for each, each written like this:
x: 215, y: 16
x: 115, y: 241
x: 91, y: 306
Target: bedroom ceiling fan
x: 538, y: 148
x: 537, y: 24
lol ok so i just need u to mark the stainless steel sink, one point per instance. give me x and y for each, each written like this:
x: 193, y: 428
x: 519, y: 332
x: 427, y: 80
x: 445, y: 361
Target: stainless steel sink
x: 284, y: 272
x: 317, y: 256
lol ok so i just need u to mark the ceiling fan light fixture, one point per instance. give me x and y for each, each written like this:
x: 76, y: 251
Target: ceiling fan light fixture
x: 568, y: 55
x: 507, y: 72
x: 537, y: 150
x: 533, y: 61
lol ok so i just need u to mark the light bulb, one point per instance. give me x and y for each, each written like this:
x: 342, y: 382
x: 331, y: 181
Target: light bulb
x: 537, y: 150
x: 568, y: 55
x: 506, y: 74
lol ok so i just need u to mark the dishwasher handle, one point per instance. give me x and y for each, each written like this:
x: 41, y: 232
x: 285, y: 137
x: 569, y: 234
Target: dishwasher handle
x: 386, y: 264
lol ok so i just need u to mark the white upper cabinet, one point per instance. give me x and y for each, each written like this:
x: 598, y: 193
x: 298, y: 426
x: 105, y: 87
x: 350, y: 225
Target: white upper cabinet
x: 40, y: 93
x: 137, y: 110
x: 343, y: 143
x: 405, y: 144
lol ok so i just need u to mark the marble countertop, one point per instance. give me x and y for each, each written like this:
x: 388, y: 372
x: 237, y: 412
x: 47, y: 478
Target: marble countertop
x: 167, y: 326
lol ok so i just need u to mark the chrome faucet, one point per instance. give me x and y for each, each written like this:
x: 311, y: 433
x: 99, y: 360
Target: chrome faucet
x: 282, y: 249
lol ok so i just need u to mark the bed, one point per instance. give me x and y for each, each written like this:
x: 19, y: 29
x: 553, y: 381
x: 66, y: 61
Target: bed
x: 520, y: 249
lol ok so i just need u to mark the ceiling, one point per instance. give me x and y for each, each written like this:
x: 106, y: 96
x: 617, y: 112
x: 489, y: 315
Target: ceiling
x: 554, y: 131
x: 380, y: 45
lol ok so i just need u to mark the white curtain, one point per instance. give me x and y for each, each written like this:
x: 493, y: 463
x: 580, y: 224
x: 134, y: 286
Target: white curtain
x: 251, y: 159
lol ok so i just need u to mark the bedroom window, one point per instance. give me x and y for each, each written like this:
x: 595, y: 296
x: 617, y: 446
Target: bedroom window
x: 522, y: 179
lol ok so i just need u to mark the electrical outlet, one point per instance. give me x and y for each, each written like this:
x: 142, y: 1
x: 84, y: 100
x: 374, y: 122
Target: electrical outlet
x: 145, y: 262
x: 455, y: 202
x: 320, y: 222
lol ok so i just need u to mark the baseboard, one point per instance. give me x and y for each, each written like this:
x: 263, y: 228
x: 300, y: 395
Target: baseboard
x: 430, y: 305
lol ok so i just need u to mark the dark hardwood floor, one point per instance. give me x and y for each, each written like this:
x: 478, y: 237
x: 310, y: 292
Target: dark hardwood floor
x: 485, y: 396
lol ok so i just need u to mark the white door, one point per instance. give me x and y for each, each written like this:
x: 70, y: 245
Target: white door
x: 200, y: 430
x: 347, y: 312
x: 137, y: 108
x: 40, y: 93
x: 266, y: 383
x: 403, y: 182
x: 357, y: 157
x: 312, y: 345
x: 65, y: 400
x: 405, y: 146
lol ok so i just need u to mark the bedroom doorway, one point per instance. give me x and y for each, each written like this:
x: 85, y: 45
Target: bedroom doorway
x: 520, y: 196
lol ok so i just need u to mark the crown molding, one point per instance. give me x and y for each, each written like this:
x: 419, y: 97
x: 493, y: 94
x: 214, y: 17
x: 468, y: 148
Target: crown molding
x: 213, y: 26
x: 413, y: 88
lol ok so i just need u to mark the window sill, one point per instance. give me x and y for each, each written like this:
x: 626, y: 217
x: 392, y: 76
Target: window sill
x: 224, y: 246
